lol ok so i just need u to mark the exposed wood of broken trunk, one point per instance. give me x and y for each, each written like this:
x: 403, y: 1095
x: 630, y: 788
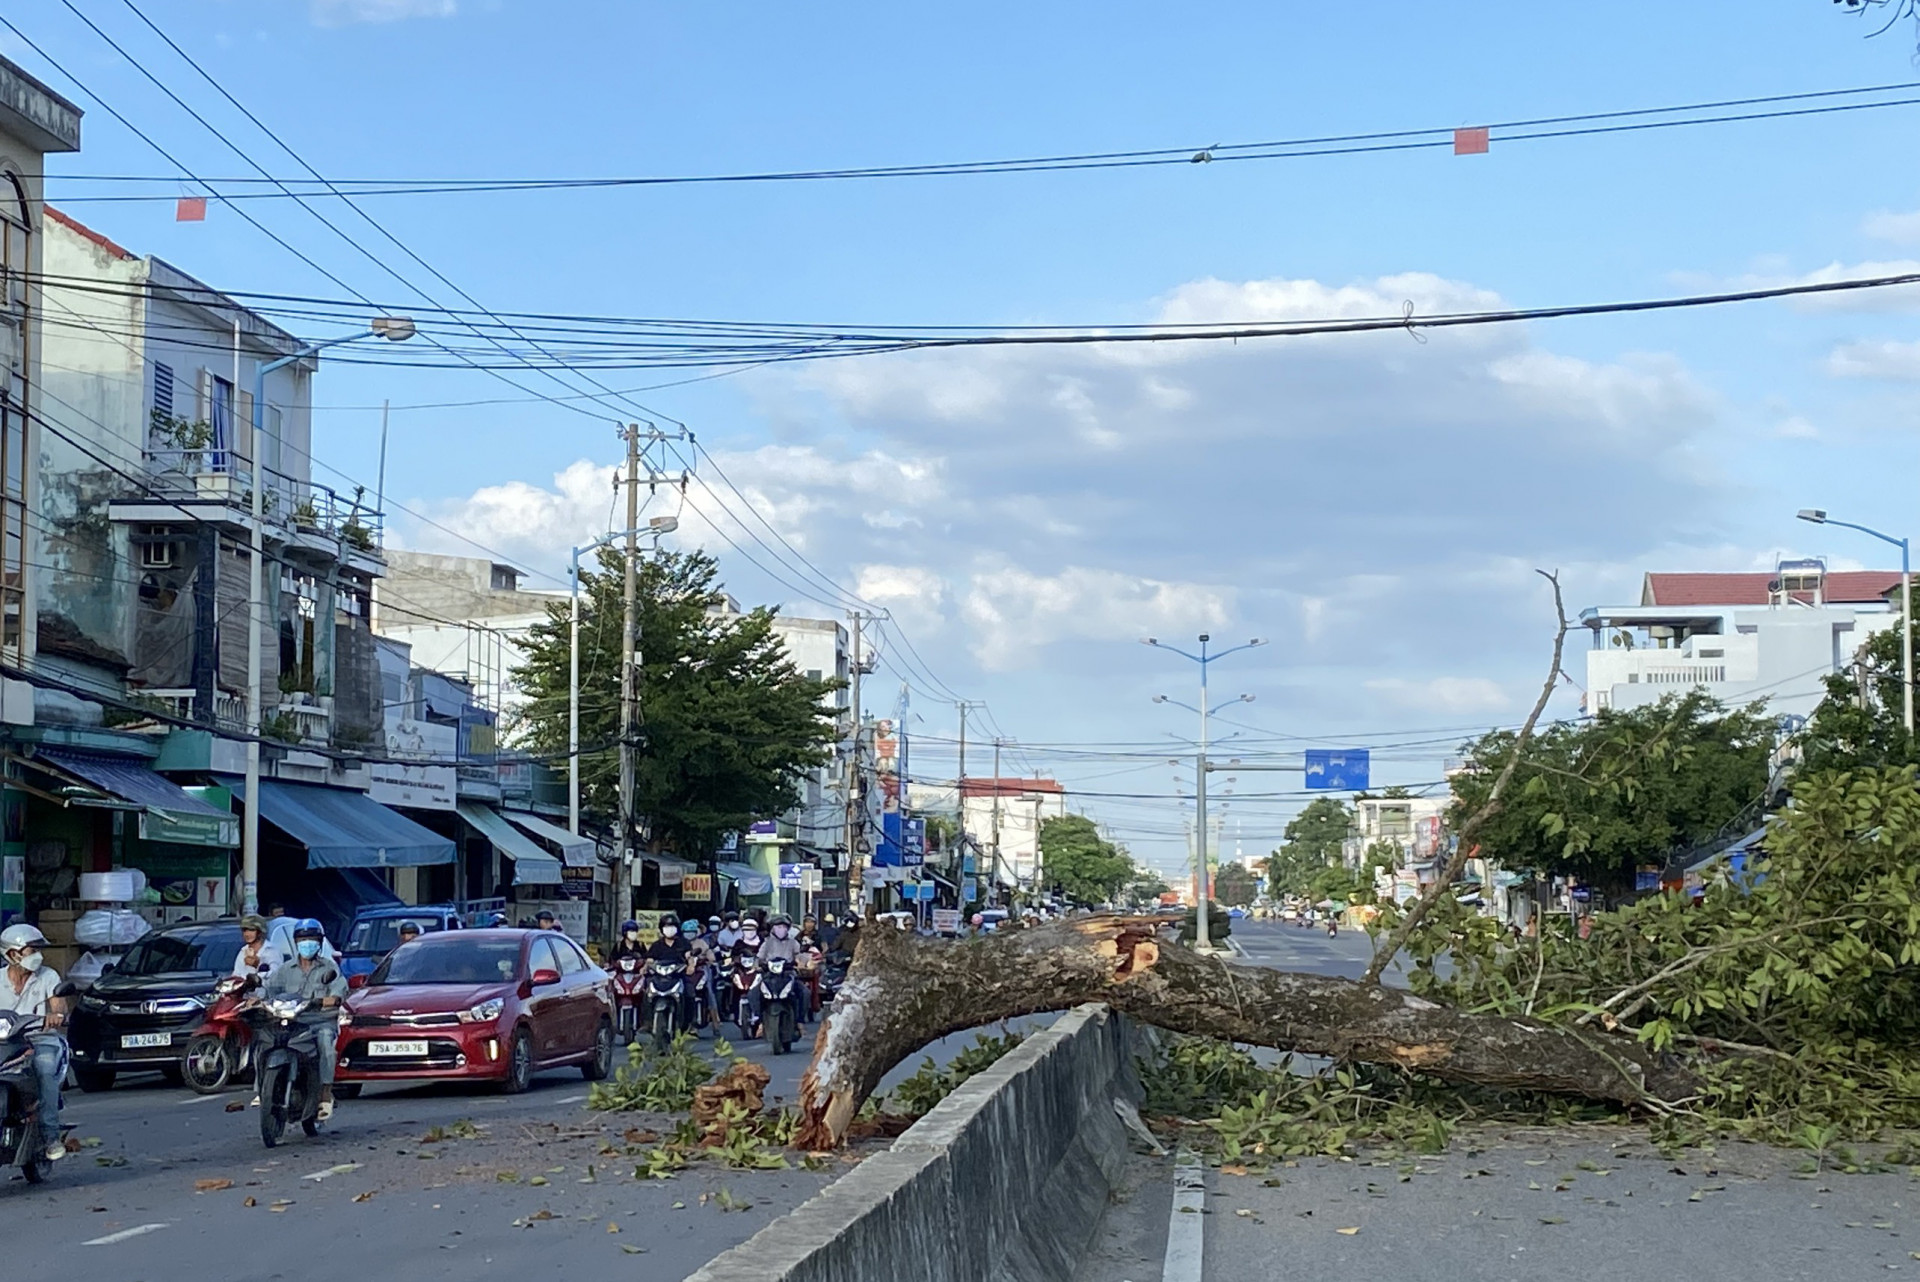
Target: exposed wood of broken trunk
x: 903, y: 992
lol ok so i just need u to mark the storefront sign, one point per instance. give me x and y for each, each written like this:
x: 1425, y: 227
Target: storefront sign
x: 577, y: 883
x: 946, y: 920
x: 697, y: 885
x: 189, y: 829
x: 421, y: 787
x: 793, y: 877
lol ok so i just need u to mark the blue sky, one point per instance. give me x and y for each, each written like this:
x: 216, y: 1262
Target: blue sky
x: 1373, y: 505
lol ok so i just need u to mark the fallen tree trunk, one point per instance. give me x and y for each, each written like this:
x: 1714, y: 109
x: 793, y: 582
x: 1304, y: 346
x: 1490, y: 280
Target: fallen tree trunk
x: 903, y: 992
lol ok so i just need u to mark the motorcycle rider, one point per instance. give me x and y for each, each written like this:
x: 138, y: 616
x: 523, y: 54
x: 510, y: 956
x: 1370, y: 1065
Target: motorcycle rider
x: 671, y: 947
x: 730, y: 933
x: 628, y: 945
x: 256, y: 955
x: 27, y: 989
x: 749, y: 941
x: 313, y: 978
x: 782, y: 946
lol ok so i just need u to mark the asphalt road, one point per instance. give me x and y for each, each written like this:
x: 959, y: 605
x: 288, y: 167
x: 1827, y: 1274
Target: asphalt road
x: 531, y: 1191
x: 1513, y: 1204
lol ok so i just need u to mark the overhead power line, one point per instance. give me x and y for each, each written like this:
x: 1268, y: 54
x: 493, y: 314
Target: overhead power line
x: 1523, y: 130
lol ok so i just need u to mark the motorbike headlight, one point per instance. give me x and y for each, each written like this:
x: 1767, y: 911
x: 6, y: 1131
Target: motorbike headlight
x: 6, y: 1029
x: 285, y: 1008
x: 485, y: 1013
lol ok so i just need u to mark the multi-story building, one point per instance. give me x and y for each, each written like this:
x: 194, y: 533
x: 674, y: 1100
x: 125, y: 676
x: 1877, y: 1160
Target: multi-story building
x: 148, y: 464
x: 1004, y: 815
x: 1738, y: 637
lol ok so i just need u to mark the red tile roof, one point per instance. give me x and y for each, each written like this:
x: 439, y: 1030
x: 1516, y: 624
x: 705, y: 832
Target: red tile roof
x: 1840, y: 587
x: 1006, y: 787
x: 67, y: 220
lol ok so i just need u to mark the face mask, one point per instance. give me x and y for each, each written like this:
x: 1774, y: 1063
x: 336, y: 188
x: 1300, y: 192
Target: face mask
x: 29, y: 962
x: 633, y: 934
x: 669, y: 931
x: 779, y: 932
x: 733, y: 925
x: 307, y: 948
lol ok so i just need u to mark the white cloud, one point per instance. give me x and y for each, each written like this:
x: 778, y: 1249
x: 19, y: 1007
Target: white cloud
x: 1796, y: 428
x: 1444, y: 694
x: 1892, y: 298
x: 1900, y: 229
x: 337, y: 13
x: 1879, y: 359
x: 1015, y: 613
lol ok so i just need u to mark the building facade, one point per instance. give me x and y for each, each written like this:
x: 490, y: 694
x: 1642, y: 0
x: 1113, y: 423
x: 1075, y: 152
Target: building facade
x: 1004, y: 815
x: 1738, y: 637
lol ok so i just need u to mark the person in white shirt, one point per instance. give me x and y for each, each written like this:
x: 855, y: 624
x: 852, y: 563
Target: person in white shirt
x: 27, y: 988
x: 257, y: 956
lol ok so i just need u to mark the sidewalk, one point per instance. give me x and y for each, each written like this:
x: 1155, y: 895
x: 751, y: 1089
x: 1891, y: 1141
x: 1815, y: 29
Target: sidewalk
x: 1526, y: 1205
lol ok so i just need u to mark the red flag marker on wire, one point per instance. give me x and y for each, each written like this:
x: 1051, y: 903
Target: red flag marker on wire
x: 1466, y: 142
x: 190, y: 209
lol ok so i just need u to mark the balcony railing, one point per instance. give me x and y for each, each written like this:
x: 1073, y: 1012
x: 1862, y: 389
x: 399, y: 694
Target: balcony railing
x: 219, y: 476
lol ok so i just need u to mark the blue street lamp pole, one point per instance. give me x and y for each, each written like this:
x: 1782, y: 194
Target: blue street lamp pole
x: 1204, y: 887
x: 1818, y: 516
x: 398, y: 329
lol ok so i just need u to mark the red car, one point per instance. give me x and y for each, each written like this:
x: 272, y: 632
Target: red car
x: 486, y: 1005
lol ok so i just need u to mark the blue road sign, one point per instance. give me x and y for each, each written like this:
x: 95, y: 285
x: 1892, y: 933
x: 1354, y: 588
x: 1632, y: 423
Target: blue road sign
x: 1337, y: 770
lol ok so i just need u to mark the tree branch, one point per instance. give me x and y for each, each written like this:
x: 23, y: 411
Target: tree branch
x: 1464, y: 845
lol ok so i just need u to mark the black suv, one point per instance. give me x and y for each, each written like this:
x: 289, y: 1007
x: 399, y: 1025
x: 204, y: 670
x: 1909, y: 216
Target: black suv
x: 140, y: 1015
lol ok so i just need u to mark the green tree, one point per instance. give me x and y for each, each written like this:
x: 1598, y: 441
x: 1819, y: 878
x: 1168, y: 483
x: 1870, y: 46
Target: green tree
x: 1860, y: 723
x: 1078, y: 862
x: 728, y: 723
x: 1596, y: 799
x: 1314, y: 838
x: 1146, y: 887
x: 1234, y: 885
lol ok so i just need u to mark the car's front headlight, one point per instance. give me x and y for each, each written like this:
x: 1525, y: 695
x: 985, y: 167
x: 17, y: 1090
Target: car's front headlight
x: 485, y: 1013
x: 90, y: 1002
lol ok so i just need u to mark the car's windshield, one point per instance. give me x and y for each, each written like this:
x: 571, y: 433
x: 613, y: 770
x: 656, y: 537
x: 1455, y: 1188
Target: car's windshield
x: 450, y: 959
x: 173, y: 953
x: 382, y: 933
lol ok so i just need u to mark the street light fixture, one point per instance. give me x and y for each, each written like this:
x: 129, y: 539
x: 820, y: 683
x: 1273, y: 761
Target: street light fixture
x: 1204, y: 887
x: 1818, y: 516
x: 398, y: 329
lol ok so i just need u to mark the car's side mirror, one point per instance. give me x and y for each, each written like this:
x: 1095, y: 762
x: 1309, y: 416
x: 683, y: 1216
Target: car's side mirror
x: 356, y: 981
x: 541, y: 978
x: 67, y: 988
x: 108, y: 968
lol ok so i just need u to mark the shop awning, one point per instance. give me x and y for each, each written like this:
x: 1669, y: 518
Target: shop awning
x: 170, y: 812
x: 344, y: 829
x: 575, y: 852
x: 673, y: 870
x: 747, y: 879
x: 532, y: 866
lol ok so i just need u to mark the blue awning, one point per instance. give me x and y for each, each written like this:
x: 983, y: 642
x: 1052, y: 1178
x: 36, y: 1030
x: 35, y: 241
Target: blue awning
x: 747, y: 879
x: 170, y: 813
x: 575, y: 852
x: 344, y: 829
x: 532, y: 866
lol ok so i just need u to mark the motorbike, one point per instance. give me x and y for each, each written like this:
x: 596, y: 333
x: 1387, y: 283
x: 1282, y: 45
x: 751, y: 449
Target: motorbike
x: 833, y: 975
x: 286, y: 1065
x: 629, y: 986
x: 1333, y: 928
x: 777, y: 981
x: 20, y: 1138
x: 666, y: 984
x: 220, y: 1051
x: 740, y: 984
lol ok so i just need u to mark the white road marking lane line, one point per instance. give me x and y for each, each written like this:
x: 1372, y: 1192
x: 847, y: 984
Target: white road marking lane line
x: 571, y: 1099
x: 1187, y: 1222
x: 124, y: 1234
x: 197, y: 1099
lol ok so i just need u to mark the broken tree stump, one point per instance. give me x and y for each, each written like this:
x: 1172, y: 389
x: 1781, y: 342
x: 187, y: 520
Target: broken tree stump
x: 903, y: 992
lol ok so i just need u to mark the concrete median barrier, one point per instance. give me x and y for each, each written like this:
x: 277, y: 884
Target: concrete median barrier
x: 1005, y: 1179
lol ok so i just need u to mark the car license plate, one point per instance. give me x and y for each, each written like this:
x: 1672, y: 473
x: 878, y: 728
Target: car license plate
x: 135, y: 1041
x: 397, y: 1048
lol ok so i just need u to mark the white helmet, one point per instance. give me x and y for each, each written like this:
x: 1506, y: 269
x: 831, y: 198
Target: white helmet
x: 16, y: 937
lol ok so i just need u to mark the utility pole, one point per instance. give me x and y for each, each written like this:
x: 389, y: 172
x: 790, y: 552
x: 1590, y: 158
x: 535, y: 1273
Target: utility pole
x: 994, y: 868
x: 629, y: 683
x: 854, y: 868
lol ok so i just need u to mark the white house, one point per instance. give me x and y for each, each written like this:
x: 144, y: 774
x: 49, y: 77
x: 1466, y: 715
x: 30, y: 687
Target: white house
x: 1004, y: 816
x: 1738, y: 637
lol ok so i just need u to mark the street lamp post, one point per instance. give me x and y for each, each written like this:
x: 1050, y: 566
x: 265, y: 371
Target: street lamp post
x: 1818, y: 516
x: 656, y: 527
x: 397, y: 329
x: 1204, y: 890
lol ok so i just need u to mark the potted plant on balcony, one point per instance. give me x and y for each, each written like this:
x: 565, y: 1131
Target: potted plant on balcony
x: 181, y: 444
